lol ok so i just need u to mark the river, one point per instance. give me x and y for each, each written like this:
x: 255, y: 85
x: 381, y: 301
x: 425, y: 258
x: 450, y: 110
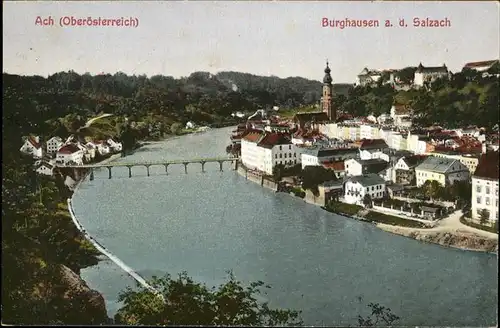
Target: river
x: 328, y: 266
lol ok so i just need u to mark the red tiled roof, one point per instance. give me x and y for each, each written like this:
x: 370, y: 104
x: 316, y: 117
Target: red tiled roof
x: 34, y: 143
x: 68, y: 149
x: 481, y: 63
x: 272, y: 139
x: 488, y: 166
x: 373, y: 143
x: 252, y: 136
x: 336, y: 166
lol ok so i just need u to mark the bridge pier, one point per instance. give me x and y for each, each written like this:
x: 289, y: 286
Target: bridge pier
x: 147, y: 168
x: 235, y: 165
x: 202, y: 166
x: 109, y: 170
x: 91, y: 174
x: 186, y: 167
x: 220, y: 165
x: 129, y: 171
x: 166, y: 168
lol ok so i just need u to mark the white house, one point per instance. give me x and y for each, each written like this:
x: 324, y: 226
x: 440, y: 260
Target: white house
x: 401, y: 115
x: 429, y: 74
x: 33, y: 147
x: 45, y: 168
x: 54, y: 144
x: 404, y: 169
x: 102, y: 147
x: 319, y: 156
x: 69, y: 153
x: 443, y: 170
x: 368, y: 77
x: 91, y: 149
x: 355, y: 167
x: 485, y: 187
x: 369, y: 146
x: 357, y: 187
x: 276, y: 148
x: 482, y: 66
x: 251, y: 154
x: 115, y: 146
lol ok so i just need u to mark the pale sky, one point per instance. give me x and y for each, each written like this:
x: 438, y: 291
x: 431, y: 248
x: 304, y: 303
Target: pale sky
x: 263, y: 38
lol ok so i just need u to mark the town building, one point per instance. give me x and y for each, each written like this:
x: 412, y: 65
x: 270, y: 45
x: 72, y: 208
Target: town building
x: 425, y: 75
x: 404, y: 169
x: 338, y: 167
x: 277, y: 148
x: 310, y: 120
x: 115, y: 146
x: 469, y: 160
x: 318, y: 156
x: 69, y: 154
x: 251, y: 155
x: 369, y: 146
x: 355, y: 167
x: 263, y: 151
x: 45, y: 168
x: 32, y: 147
x: 482, y: 66
x: 357, y: 187
x: 53, y: 145
x: 485, y: 187
x: 103, y: 148
x: 401, y: 115
x: 443, y: 170
x: 368, y: 77
x: 327, y: 97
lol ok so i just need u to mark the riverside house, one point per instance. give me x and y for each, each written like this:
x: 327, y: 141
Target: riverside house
x: 357, y: 187
x: 443, y: 170
x: 32, y: 147
x: 485, y: 187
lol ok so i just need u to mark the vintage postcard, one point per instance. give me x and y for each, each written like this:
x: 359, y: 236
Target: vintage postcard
x: 228, y: 163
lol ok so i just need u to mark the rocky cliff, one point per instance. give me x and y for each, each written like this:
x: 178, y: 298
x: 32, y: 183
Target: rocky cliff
x: 463, y: 240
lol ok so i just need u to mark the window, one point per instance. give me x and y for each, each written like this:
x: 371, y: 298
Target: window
x: 487, y: 200
x: 294, y: 154
x: 295, y: 161
x: 478, y: 200
x: 496, y: 192
x: 289, y: 146
x: 496, y: 203
x: 487, y: 190
x: 276, y: 156
x: 478, y: 188
x: 281, y: 155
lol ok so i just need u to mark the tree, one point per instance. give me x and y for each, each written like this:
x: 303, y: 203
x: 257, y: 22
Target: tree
x: 367, y: 200
x: 380, y: 316
x: 312, y: 176
x: 278, y: 172
x: 484, y: 216
x: 176, y: 128
x: 186, y: 302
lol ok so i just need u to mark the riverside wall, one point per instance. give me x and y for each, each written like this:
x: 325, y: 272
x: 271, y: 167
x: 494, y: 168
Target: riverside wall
x: 258, y: 179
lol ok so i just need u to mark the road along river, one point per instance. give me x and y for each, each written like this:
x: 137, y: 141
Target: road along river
x: 328, y: 266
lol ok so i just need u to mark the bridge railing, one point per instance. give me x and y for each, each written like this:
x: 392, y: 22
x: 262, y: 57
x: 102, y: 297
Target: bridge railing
x: 161, y: 162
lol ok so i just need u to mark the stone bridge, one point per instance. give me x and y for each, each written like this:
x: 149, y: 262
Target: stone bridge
x: 202, y: 161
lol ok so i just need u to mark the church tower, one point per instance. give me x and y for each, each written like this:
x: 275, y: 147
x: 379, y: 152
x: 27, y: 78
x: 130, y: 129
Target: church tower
x: 327, y: 98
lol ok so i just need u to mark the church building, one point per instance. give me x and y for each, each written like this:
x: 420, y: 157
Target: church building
x: 327, y: 98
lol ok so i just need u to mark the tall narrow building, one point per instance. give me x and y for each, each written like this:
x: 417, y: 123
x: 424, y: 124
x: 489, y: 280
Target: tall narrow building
x: 327, y: 98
